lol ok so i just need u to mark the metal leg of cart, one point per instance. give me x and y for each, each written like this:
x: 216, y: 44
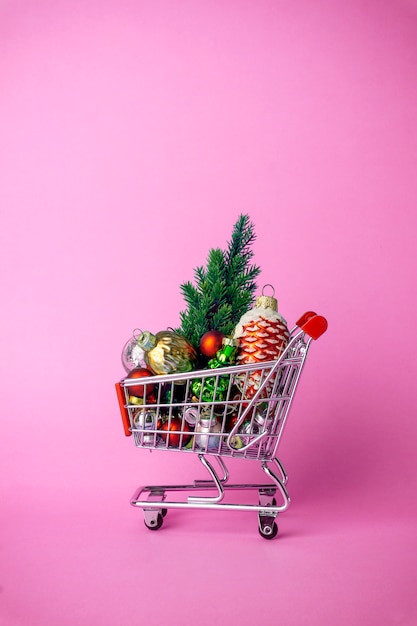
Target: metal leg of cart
x: 268, y: 527
x: 156, y: 504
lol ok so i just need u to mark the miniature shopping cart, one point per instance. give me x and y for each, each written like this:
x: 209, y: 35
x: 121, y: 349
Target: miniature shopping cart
x: 237, y: 412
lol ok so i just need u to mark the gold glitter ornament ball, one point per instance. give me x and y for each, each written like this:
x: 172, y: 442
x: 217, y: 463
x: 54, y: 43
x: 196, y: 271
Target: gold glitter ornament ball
x: 167, y: 352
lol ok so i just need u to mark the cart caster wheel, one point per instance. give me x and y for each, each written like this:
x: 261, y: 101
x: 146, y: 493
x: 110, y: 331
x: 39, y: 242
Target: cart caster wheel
x: 155, y: 524
x: 268, y: 531
x: 164, y: 512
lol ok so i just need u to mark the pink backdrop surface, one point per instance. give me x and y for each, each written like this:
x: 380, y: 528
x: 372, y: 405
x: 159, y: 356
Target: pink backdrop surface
x: 132, y: 134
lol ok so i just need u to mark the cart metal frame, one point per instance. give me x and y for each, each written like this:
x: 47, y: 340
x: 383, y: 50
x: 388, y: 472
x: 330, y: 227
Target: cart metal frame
x: 259, y: 416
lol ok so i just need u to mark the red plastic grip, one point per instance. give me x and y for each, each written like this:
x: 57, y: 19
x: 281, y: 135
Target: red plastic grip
x: 123, y: 410
x: 312, y: 324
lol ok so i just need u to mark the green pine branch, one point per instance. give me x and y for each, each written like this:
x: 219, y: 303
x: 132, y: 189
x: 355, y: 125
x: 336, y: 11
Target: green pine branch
x: 224, y: 290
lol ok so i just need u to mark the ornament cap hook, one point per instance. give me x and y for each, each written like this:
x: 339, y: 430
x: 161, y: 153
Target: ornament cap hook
x: 267, y: 302
x: 146, y: 341
x: 272, y: 287
x: 136, y: 333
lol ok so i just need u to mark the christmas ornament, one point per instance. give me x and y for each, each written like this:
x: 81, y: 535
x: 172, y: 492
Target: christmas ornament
x: 206, y: 425
x: 254, y: 424
x: 226, y: 355
x: 205, y: 390
x: 224, y: 289
x: 174, y: 393
x: 145, y: 420
x: 140, y: 390
x: 132, y: 354
x: 231, y: 421
x: 216, y: 386
x: 167, y: 352
x: 150, y: 399
x: 191, y: 415
x: 135, y: 400
x: 263, y: 336
x: 171, y: 427
x: 211, y: 342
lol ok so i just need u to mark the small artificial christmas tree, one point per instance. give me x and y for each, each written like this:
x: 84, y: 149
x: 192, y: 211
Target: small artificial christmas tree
x: 224, y: 290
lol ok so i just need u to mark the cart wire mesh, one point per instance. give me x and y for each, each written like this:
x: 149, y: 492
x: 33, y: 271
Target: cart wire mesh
x: 238, y: 411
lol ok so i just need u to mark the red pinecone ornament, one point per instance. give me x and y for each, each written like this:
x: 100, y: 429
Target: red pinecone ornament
x: 263, y: 336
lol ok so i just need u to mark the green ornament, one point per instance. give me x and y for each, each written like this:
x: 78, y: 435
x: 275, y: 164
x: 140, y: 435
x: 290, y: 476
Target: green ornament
x: 226, y: 355
x: 206, y: 390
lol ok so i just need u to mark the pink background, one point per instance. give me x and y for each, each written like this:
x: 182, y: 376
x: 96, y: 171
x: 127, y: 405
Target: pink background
x: 132, y: 134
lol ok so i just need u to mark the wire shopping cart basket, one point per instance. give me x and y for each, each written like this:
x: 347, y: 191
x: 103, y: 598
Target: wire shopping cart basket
x: 242, y: 417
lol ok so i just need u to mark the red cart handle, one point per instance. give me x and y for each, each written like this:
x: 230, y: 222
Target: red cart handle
x: 312, y: 324
x: 123, y: 410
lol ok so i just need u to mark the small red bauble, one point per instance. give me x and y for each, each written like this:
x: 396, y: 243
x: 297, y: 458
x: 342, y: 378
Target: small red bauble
x: 231, y: 422
x: 175, y: 425
x: 140, y: 390
x: 211, y: 342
